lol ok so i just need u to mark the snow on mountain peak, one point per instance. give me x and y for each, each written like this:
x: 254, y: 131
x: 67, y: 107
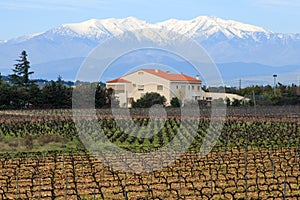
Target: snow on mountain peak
x: 98, y: 28
x: 201, y: 28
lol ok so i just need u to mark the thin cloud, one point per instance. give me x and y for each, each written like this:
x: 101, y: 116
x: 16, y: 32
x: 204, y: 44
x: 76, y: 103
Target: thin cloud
x: 280, y: 2
x: 51, y: 4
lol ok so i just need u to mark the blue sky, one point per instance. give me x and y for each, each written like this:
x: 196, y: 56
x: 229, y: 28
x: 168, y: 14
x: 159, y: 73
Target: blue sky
x: 20, y: 17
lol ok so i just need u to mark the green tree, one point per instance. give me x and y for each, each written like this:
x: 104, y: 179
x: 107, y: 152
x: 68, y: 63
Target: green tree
x: 57, y: 95
x: 175, y: 102
x: 250, y: 102
x: 18, y: 97
x: 20, y: 77
x: 103, y: 96
x: 264, y: 95
x: 4, y: 95
x: 21, y: 83
x: 148, y: 100
x: 35, y: 96
x: 228, y: 102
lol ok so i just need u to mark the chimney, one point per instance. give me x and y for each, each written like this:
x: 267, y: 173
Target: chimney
x: 156, y: 70
x: 197, y: 76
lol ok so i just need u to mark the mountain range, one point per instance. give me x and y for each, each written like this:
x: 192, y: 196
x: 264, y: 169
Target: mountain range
x: 240, y: 50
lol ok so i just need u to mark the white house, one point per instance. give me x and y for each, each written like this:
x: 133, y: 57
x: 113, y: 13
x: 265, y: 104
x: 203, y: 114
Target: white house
x: 134, y: 85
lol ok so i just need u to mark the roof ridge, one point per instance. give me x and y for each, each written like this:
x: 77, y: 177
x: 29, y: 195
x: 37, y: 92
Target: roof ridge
x: 119, y: 80
x: 161, y: 74
x: 171, y: 76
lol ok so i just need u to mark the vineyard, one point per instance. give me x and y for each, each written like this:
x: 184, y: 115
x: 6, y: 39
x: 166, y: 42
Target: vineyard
x: 255, y: 157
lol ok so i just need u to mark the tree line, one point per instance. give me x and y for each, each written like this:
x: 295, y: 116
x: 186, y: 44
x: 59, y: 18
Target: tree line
x: 268, y: 95
x: 263, y: 94
x: 21, y: 92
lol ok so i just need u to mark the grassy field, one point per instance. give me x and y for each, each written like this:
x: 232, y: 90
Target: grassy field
x: 255, y: 157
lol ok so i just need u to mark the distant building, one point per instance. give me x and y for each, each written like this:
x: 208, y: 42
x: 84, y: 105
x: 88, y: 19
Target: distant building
x: 210, y: 96
x: 134, y: 85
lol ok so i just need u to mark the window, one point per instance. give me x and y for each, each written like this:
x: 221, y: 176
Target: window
x: 176, y: 86
x: 198, y: 88
x: 160, y: 87
x: 140, y: 87
x: 118, y: 89
x: 134, y: 85
x: 130, y: 100
x: 140, y: 73
x: 193, y: 87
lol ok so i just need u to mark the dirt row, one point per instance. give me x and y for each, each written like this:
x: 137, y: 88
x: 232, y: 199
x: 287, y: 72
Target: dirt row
x: 238, y: 174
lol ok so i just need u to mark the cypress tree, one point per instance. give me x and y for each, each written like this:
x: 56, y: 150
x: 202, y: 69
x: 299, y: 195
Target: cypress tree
x: 20, y: 77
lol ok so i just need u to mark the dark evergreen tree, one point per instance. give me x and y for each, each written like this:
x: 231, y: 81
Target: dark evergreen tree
x: 175, y: 102
x: 18, y: 97
x: 35, y: 96
x: 100, y: 96
x: 4, y: 95
x: 236, y: 102
x: 21, y: 83
x: 57, y: 95
x: 228, y: 102
x: 20, y: 77
x: 148, y: 100
x: 104, y: 97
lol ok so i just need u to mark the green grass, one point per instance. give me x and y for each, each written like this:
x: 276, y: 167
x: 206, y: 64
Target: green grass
x: 38, y: 143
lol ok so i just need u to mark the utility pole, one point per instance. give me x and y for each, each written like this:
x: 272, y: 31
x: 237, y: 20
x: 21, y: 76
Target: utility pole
x: 274, y: 76
x: 240, y: 84
x: 254, y: 101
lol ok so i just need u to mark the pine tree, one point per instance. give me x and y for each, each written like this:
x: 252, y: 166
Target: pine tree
x: 21, y: 83
x: 21, y: 71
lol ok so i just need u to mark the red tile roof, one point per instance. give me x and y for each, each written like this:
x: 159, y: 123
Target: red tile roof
x: 118, y: 80
x: 171, y: 77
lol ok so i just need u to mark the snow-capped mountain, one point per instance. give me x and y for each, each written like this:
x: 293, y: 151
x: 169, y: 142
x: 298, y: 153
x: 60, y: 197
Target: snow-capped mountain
x: 204, y: 26
x: 99, y: 29
x: 64, y: 47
